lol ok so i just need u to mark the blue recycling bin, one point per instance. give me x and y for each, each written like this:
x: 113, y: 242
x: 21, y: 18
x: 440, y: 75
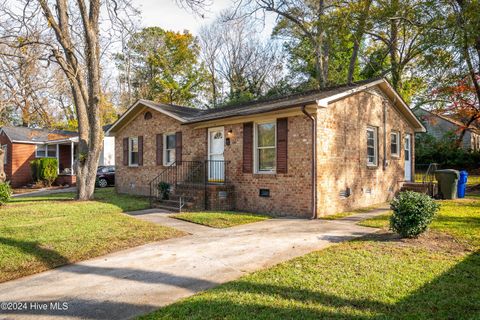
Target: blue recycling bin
x: 462, y: 184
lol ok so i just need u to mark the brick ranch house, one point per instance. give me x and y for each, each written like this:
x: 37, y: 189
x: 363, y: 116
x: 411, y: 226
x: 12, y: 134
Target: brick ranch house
x: 22, y: 145
x: 310, y: 154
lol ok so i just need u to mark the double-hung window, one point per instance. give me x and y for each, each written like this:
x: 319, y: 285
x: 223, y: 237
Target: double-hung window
x: 133, y: 151
x: 265, y: 147
x: 46, y: 151
x: 395, y: 144
x: 372, y: 146
x: 169, y: 143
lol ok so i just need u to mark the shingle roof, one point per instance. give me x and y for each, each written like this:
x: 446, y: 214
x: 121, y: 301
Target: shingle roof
x: 36, y: 135
x: 188, y: 115
x: 451, y: 120
x: 191, y: 115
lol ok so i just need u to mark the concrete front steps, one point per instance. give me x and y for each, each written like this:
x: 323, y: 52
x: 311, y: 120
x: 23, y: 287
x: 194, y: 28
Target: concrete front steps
x: 426, y: 188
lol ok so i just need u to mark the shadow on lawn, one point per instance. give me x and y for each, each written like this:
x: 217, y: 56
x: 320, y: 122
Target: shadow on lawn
x: 453, y: 295
x: 108, y: 196
x: 49, y: 257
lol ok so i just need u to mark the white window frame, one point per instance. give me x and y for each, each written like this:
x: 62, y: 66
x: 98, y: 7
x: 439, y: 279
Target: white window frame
x: 5, y: 149
x: 256, y: 161
x: 130, y: 151
x: 397, y: 139
x: 375, y: 146
x: 45, y: 150
x: 165, y: 150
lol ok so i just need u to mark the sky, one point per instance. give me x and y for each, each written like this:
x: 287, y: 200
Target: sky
x: 168, y: 15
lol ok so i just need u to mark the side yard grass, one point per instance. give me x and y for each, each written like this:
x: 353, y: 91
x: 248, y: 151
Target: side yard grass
x: 40, y: 233
x: 436, y: 276
x: 220, y: 219
x: 459, y: 218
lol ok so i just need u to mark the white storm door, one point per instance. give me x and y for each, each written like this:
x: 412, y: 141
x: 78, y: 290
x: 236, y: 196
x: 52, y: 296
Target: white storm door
x: 408, y: 157
x: 216, y: 146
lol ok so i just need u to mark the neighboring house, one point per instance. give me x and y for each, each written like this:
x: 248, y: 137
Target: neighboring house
x: 22, y: 145
x: 309, y: 154
x: 439, y: 125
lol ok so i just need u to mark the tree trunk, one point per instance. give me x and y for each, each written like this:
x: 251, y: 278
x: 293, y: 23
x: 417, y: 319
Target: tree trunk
x: 85, y: 88
x: 393, y: 48
x: 357, y: 38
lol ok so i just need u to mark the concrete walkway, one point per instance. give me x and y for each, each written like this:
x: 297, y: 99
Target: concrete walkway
x: 44, y: 192
x: 141, y: 279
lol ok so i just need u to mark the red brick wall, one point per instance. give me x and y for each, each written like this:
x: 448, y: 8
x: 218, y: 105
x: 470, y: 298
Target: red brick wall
x: 342, y: 153
x: 341, y: 159
x: 290, y: 193
x: 136, y: 180
x: 8, y: 166
x: 22, y: 154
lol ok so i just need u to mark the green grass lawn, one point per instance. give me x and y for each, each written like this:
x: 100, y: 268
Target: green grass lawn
x: 473, y: 180
x: 376, y: 277
x: 40, y: 233
x: 459, y: 218
x: 221, y: 219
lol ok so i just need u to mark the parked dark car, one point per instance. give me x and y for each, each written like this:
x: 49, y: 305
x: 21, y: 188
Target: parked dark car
x: 105, y: 176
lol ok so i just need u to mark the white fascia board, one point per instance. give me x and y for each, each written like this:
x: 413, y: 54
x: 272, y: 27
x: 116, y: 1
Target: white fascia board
x: 134, y: 106
x: 325, y: 101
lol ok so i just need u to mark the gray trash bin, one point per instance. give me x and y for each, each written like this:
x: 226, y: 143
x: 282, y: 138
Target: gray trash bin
x: 447, y: 183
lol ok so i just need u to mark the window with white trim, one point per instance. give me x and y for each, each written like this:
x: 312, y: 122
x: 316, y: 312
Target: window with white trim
x: 395, y: 144
x: 169, y: 144
x: 133, y: 151
x: 45, y: 151
x: 4, y: 148
x: 265, y: 147
x: 372, y: 146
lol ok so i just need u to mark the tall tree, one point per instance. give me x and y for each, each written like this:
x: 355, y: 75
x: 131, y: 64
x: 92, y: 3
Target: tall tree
x: 70, y: 31
x: 163, y: 66
x: 241, y: 66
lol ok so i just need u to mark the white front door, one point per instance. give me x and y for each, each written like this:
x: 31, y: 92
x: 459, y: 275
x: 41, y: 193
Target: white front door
x: 216, y: 164
x: 408, y: 157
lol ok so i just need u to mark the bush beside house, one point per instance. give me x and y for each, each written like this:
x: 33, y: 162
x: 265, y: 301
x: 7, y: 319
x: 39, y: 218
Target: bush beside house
x: 412, y: 213
x: 44, y: 170
x: 5, y: 192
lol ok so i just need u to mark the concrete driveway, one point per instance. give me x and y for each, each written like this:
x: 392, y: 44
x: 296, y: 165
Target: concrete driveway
x: 138, y: 280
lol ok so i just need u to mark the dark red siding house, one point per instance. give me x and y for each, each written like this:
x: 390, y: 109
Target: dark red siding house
x: 22, y: 145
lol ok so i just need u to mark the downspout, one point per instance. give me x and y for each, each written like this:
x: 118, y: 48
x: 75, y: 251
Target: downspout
x: 314, y: 162
x: 385, y: 162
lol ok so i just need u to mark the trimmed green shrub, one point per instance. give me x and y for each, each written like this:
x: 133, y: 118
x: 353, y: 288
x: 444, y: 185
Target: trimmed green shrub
x: 164, y: 188
x: 44, y: 170
x: 5, y: 192
x: 412, y: 213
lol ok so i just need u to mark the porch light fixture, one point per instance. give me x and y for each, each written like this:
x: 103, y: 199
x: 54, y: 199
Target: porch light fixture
x: 229, y: 136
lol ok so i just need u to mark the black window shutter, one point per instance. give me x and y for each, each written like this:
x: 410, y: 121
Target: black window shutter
x: 140, y: 150
x: 248, y: 147
x: 282, y: 145
x: 125, y: 151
